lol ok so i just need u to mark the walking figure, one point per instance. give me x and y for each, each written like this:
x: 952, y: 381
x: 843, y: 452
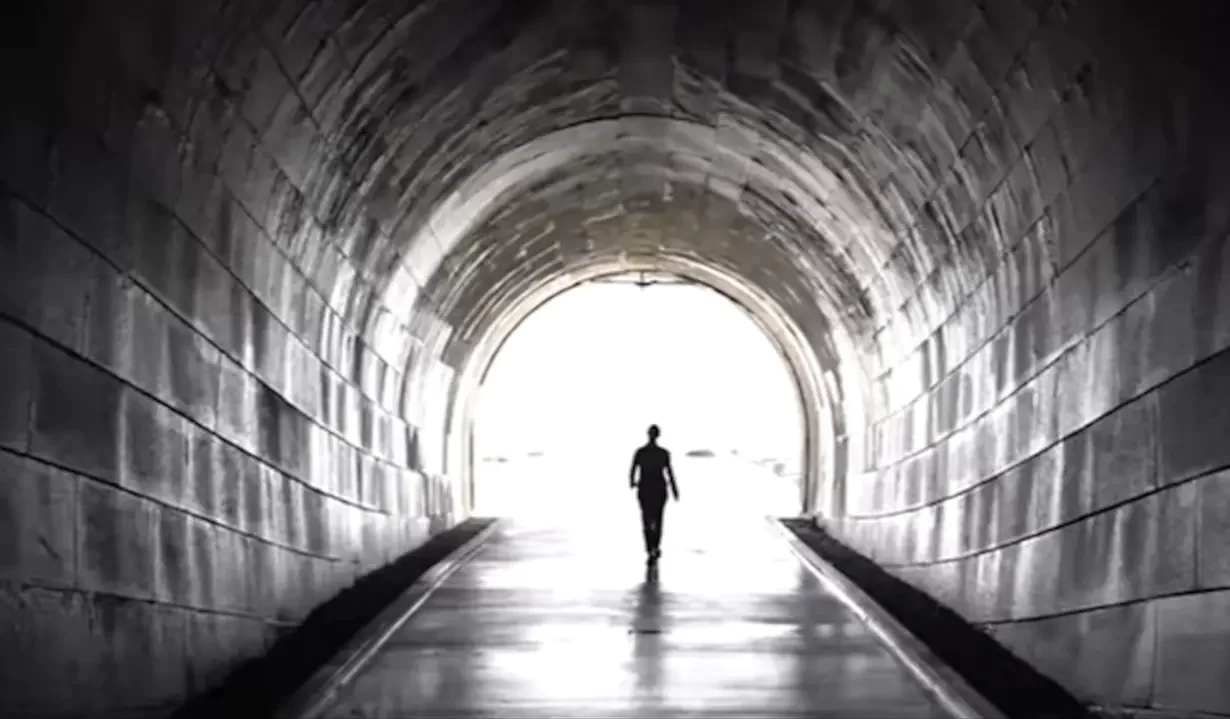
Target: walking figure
x: 654, y: 464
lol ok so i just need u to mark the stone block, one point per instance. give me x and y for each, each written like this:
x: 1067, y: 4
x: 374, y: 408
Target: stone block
x: 1193, y: 653
x: 232, y: 571
x: 47, y: 637
x: 176, y: 581
x: 1114, y: 659
x: 291, y: 500
x: 168, y: 260
x: 1194, y: 420
x: 220, y: 302
x: 288, y: 569
x: 155, y: 450
x: 1077, y: 481
x: 143, y: 657
x: 315, y: 522
x: 228, y: 486
x: 254, y: 500
x: 1123, y: 446
x: 1213, y: 538
x: 1113, y: 363
x: 201, y: 563
x: 237, y: 396
x: 1031, y: 335
x: 117, y: 542
x: 1035, y: 582
x: 48, y: 279
x: 270, y: 338
x: 76, y: 414
x: 290, y: 138
x: 25, y: 143
x: 266, y: 591
x: 191, y: 373
x: 90, y: 195
x: 268, y: 85
x: 1188, y: 206
x: 149, y: 361
x: 111, y: 325
x: 17, y: 386
x: 1071, y: 403
x: 274, y: 414
x: 1012, y: 504
x: 1169, y: 342
x: 259, y: 191
x: 38, y: 516
x: 1088, y: 568
x: 1174, y: 566
x: 1211, y: 321
x: 206, y: 466
x: 154, y: 156
x: 1044, y: 473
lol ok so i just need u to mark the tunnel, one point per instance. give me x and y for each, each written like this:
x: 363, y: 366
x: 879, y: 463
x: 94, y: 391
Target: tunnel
x: 258, y: 255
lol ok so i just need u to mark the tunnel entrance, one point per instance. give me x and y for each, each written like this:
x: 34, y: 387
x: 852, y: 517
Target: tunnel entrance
x: 571, y: 391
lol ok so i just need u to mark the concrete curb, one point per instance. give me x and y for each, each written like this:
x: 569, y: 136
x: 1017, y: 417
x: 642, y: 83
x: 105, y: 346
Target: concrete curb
x: 948, y: 688
x: 327, y: 683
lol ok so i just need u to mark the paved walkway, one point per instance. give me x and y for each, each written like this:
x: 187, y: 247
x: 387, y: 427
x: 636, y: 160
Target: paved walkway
x: 566, y: 621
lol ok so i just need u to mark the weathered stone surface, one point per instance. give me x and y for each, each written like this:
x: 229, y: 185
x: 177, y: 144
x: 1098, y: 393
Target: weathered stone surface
x: 16, y: 386
x: 38, y: 507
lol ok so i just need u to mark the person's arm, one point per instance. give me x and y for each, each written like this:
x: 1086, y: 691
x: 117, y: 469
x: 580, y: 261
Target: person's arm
x: 636, y: 461
x: 670, y: 475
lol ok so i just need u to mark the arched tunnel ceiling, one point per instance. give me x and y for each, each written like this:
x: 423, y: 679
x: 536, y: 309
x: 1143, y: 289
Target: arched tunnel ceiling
x: 499, y: 141
x: 632, y: 201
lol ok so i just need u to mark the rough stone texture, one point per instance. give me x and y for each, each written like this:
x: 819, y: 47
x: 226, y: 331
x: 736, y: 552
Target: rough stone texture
x: 246, y: 245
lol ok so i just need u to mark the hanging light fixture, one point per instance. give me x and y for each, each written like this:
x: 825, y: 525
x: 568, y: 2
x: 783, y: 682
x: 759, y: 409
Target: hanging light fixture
x: 643, y: 279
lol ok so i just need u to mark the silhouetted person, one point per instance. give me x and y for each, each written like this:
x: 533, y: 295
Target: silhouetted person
x: 654, y: 463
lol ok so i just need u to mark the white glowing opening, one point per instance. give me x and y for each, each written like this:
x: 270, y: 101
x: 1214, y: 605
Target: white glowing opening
x: 570, y: 395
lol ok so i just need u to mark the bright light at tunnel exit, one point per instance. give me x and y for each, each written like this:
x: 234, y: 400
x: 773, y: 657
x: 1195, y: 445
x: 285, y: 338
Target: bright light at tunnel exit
x: 571, y: 393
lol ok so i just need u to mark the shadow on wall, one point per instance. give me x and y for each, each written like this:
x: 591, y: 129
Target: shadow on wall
x: 257, y: 687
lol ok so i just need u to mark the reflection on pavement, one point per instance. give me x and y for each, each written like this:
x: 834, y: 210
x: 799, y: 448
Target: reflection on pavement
x: 559, y: 616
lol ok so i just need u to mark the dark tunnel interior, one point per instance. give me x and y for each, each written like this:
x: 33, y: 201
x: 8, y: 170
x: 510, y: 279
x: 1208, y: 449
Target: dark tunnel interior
x: 256, y: 254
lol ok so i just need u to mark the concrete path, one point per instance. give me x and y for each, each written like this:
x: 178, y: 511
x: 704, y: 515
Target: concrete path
x: 565, y: 619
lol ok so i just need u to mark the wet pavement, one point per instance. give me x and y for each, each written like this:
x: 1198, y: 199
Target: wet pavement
x: 564, y: 619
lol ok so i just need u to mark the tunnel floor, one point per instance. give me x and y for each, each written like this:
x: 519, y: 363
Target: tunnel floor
x: 566, y: 620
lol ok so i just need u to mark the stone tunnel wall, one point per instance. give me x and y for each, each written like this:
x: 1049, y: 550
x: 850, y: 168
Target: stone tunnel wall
x: 1050, y: 459
x: 196, y: 446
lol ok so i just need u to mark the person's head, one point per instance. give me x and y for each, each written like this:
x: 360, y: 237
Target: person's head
x: 654, y: 433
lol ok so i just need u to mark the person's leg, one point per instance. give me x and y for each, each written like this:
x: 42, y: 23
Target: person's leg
x: 646, y: 521
x: 659, y: 516
x: 655, y: 511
